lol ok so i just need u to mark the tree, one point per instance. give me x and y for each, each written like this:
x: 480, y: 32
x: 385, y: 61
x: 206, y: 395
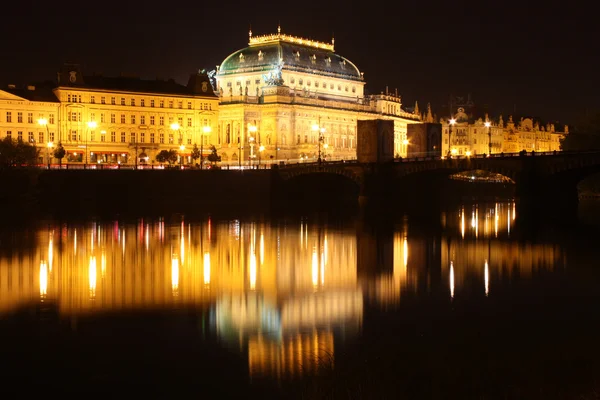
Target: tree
x: 213, y: 157
x: 59, y: 153
x: 585, y: 136
x: 17, y: 153
x: 196, y: 153
x: 167, y: 156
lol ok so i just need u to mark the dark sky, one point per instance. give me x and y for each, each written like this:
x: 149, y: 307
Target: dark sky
x: 542, y: 60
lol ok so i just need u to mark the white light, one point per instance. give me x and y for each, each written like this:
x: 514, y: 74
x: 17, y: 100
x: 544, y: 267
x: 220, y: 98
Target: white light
x: 207, y: 268
x: 451, y: 280
x: 486, y: 277
x: 43, y: 279
x: 452, y: 121
x: 487, y: 124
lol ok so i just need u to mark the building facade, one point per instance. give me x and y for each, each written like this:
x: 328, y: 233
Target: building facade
x: 294, y: 99
x: 464, y: 135
x: 112, y: 120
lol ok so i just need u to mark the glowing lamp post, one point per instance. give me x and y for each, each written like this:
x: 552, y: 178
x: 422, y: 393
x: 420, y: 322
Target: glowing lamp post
x: 252, y: 129
x: 205, y: 130
x: 44, y: 122
x: 488, y: 126
x: 321, y: 131
x: 181, y: 149
x: 452, y: 122
x: 91, y: 125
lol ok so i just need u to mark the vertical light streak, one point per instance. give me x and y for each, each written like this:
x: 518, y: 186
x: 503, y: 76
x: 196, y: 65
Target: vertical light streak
x: 508, y: 221
x: 123, y: 242
x: 315, y: 267
x: 451, y: 280
x: 325, y: 252
x: 75, y: 242
x: 301, y: 234
x: 486, y: 277
x: 514, y: 213
x: 405, y: 252
x: 322, y: 268
x: 262, y: 249
x: 43, y: 279
x: 92, y: 275
x: 477, y: 222
x: 462, y: 222
x: 496, y: 218
x: 175, y: 275
x: 147, y: 237
x: 252, y: 268
x: 207, y: 268
x: 50, y: 251
x: 103, y: 264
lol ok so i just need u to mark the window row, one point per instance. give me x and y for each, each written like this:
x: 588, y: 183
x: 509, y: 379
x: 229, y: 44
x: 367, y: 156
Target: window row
x: 30, y: 119
x: 75, y: 116
x: 76, y: 98
x: 41, y: 136
x: 143, y: 137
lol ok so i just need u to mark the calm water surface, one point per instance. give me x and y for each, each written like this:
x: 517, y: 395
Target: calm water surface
x: 469, y: 307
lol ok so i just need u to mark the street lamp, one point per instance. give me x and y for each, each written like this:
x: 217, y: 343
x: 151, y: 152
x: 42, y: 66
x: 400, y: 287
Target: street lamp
x: 488, y: 126
x: 91, y: 125
x: 205, y: 130
x: 44, y: 122
x: 452, y: 122
x: 252, y: 129
x: 321, y: 131
x: 181, y: 149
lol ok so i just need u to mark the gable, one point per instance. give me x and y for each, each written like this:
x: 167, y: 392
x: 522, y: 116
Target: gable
x: 4, y: 95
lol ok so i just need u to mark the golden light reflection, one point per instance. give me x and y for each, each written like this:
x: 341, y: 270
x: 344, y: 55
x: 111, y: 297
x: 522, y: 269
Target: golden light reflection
x: 206, y: 268
x: 175, y: 275
x: 92, y: 276
x: 50, y: 251
x: 147, y: 237
x: 405, y: 252
x: 43, y: 279
x: 451, y: 279
x: 486, y: 278
x: 462, y: 222
x: 262, y: 248
x: 103, y: 264
x: 75, y: 242
x: 315, y: 267
x: 252, y: 270
x: 496, y: 219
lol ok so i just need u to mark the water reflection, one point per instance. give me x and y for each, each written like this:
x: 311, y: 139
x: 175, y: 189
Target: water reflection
x: 285, y: 295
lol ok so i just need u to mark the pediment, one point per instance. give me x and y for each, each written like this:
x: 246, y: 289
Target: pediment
x: 4, y: 95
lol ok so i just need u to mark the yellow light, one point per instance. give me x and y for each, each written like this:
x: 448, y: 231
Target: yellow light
x: 454, y: 151
x: 42, y: 121
x: 252, y: 270
x: 468, y: 153
x: 262, y: 249
x: 50, y: 145
x: 315, y: 127
x: 451, y: 280
x: 43, y: 279
x: 405, y: 251
x: 175, y: 275
x: 487, y: 124
x: 92, y: 125
x: 252, y: 128
x: 50, y: 253
x: 325, y: 146
x: 405, y: 142
x: 486, y: 278
x: 452, y: 121
x: 182, y: 147
x: 261, y: 148
x: 315, y: 268
x: 207, y: 129
x: 175, y: 126
x: 92, y: 275
x: 207, y: 268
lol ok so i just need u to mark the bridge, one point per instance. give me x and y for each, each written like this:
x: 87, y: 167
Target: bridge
x: 538, y: 177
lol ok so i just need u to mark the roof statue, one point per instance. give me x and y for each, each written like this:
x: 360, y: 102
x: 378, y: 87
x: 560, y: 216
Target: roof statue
x: 274, y: 78
x: 416, y: 111
x: 429, y: 117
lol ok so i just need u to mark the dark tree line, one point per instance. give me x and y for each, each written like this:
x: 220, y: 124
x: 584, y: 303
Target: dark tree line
x: 585, y: 136
x: 17, y: 153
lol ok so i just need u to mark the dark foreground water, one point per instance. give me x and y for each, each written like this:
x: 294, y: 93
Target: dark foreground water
x: 469, y: 306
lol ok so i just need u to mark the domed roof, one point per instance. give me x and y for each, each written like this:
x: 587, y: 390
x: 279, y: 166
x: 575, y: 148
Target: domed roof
x: 297, y: 54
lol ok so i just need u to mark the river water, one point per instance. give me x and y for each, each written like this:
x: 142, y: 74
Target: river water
x: 471, y: 305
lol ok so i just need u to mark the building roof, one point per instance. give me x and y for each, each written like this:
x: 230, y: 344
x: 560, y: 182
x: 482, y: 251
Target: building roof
x: 297, y: 54
x: 198, y: 84
x: 33, y: 93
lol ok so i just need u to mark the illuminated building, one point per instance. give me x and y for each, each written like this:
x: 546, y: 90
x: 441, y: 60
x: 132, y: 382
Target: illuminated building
x: 469, y: 136
x: 112, y: 120
x: 21, y: 109
x: 287, y: 98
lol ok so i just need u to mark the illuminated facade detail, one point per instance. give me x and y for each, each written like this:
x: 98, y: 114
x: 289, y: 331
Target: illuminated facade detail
x: 472, y: 137
x: 112, y: 120
x: 284, y: 86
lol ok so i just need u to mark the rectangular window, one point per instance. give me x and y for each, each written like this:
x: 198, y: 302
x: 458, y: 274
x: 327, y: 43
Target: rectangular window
x: 79, y: 116
x: 142, y: 137
x: 113, y: 101
x: 122, y: 118
x: 41, y: 137
x: 8, y: 116
x: 92, y: 116
x: 152, y: 103
x: 161, y: 120
x: 189, y: 122
x: 19, y: 135
x: 123, y: 138
x: 132, y: 137
x: 113, y: 137
x: 79, y: 98
x: 161, y: 137
x: 162, y: 103
x: 171, y: 138
x: 180, y: 121
x: 93, y: 99
x: 133, y: 119
x: 122, y: 101
x: 103, y: 100
x: 143, y: 120
x: 93, y: 136
x: 189, y: 105
x: 189, y: 140
x: 51, y: 139
x: 30, y: 137
x: 74, y: 136
x: 9, y: 134
x: 30, y: 118
x: 180, y: 104
x: 51, y: 119
x: 112, y: 118
x: 68, y: 98
x: 170, y: 103
x: 152, y: 138
x: 132, y: 102
x: 152, y: 120
x: 102, y: 119
x: 20, y: 117
x: 143, y: 103
x: 103, y: 136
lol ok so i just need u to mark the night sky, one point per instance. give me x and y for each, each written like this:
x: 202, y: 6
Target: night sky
x: 540, y: 60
